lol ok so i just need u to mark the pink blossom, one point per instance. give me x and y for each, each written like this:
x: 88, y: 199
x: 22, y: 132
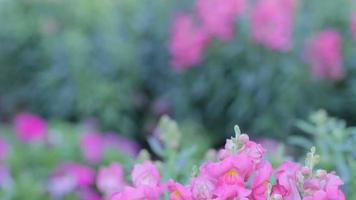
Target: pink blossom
x: 271, y: 23
x: 286, y: 175
x: 353, y: 25
x: 178, y: 191
x: 92, y: 146
x: 323, y: 54
x: 3, y: 149
x: 230, y: 175
x: 202, y: 188
x: 253, y: 150
x: 139, y: 193
x: 260, y: 180
x: 121, y: 143
x: 218, y: 16
x: 323, y: 188
x: 187, y: 42
x: 110, y: 179
x: 145, y: 174
x: 29, y: 127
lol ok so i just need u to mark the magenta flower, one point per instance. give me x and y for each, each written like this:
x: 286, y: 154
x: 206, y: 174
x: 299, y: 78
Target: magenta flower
x: 145, y: 174
x: 260, y: 180
x: 218, y: 16
x: 178, y: 191
x: 187, y: 42
x: 353, y: 25
x: 132, y: 193
x: 323, y: 187
x: 271, y: 23
x: 110, y: 179
x: 146, y: 181
x: 3, y: 149
x: 323, y: 54
x: 286, y: 186
x: 29, y: 127
x: 92, y: 146
x: 202, y: 188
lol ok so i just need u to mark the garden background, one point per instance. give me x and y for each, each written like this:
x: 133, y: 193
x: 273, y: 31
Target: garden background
x: 110, y: 69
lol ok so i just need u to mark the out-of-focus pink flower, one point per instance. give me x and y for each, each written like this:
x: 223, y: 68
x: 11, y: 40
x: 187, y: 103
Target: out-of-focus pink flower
x: 122, y: 144
x: 143, y: 192
x: 3, y: 149
x: 325, y: 187
x: 92, y: 146
x: 110, y: 179
x: 323, y: 54
x: 70, y: 175
x: 178, y: 191
x: 218, y: 16
x: 271, y: 23
x: 187, y: 42
x: 286, y: 175
x: 145, y: 174
x: 260, y: 180
x: 29, y: 127
x: 353, y: 25
x: 88, y: 194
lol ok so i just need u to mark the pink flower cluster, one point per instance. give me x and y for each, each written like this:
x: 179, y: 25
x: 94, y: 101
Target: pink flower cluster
x: 271, y: 23
x: 239, y: 173
x: 191, y: 33
x: 323, y: 54
x: 353, y: 25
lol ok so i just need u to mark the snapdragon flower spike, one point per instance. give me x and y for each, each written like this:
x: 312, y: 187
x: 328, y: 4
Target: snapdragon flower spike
x: 239, y: 173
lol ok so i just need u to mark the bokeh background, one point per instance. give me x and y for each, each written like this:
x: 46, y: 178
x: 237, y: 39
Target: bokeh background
x: 117, y: 66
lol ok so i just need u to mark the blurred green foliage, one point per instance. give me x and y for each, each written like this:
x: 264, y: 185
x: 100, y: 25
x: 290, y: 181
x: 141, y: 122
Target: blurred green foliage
x: 109, y: 59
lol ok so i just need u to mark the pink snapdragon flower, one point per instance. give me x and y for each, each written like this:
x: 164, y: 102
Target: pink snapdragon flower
x: 260, y: 180
x: 271, y: 23
x: 323, y: 54
x: 146, y: 181
x: 3, y: 149
x: 178, y: 191
x: 92, y: 146
x: 218, y: 16
x: 145, y: 174
x: 202, y: 188
x: 286, y: 175
x: 29, y: 127
x: 110, y: 179
x: 253, y: 150
x: 229, y: 175
x: 187, y: 42
x: 353, y: 25
x: 323, y: 187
